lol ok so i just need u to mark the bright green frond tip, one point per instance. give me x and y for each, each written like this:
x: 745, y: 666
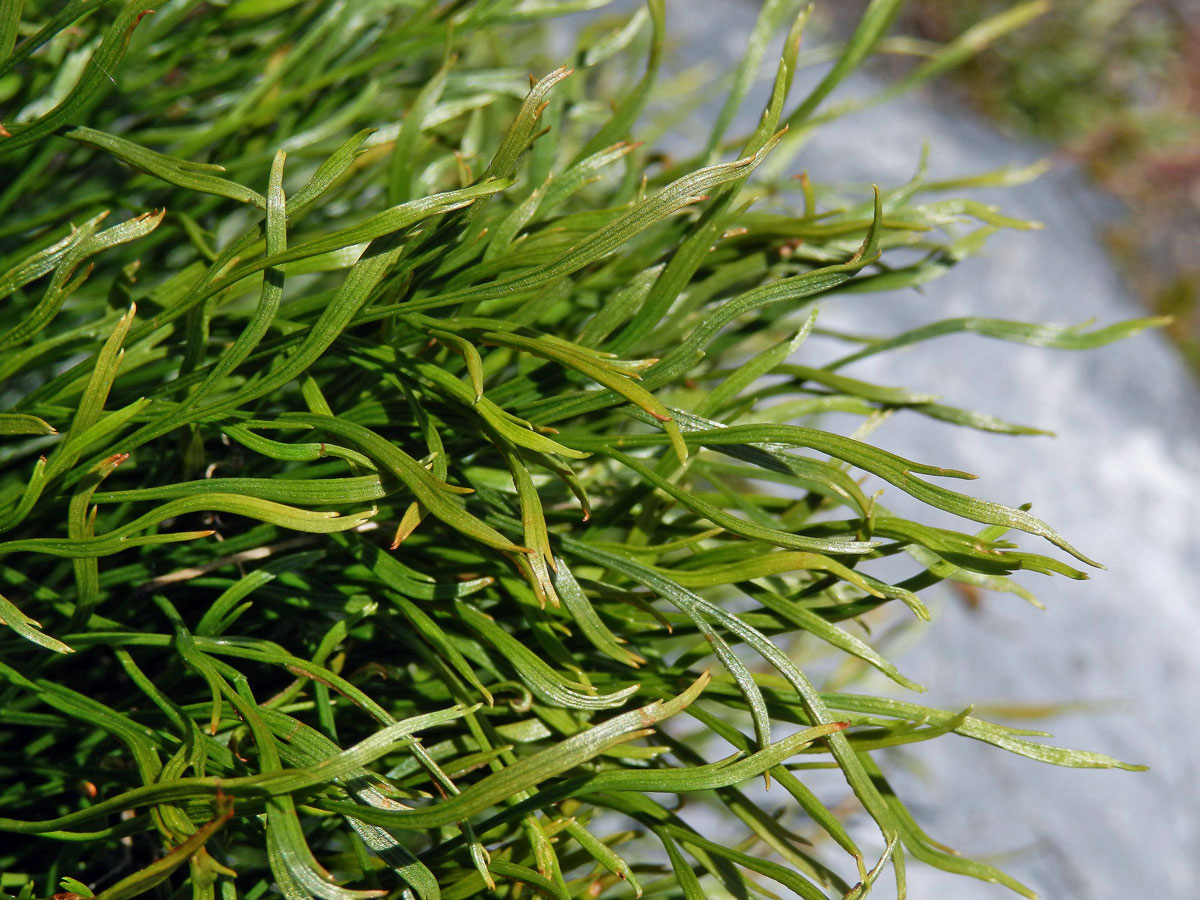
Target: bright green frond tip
x: 388, y: 437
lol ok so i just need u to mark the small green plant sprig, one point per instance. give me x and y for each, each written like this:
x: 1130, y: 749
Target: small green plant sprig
x: 389, y: 440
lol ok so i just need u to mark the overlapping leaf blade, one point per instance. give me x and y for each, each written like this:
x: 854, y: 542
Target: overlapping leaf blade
x: 323, y: 494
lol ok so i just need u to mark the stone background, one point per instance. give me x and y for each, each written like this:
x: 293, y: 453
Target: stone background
x: 1118, y: 480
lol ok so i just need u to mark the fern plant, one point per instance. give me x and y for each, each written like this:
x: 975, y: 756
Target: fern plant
x: 391, y: 446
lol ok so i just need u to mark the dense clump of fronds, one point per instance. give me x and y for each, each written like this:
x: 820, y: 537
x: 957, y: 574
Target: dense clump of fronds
x: 385, y: 438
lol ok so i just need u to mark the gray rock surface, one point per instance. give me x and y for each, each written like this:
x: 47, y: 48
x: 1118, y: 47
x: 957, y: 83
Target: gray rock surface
x: 1119, y: 481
